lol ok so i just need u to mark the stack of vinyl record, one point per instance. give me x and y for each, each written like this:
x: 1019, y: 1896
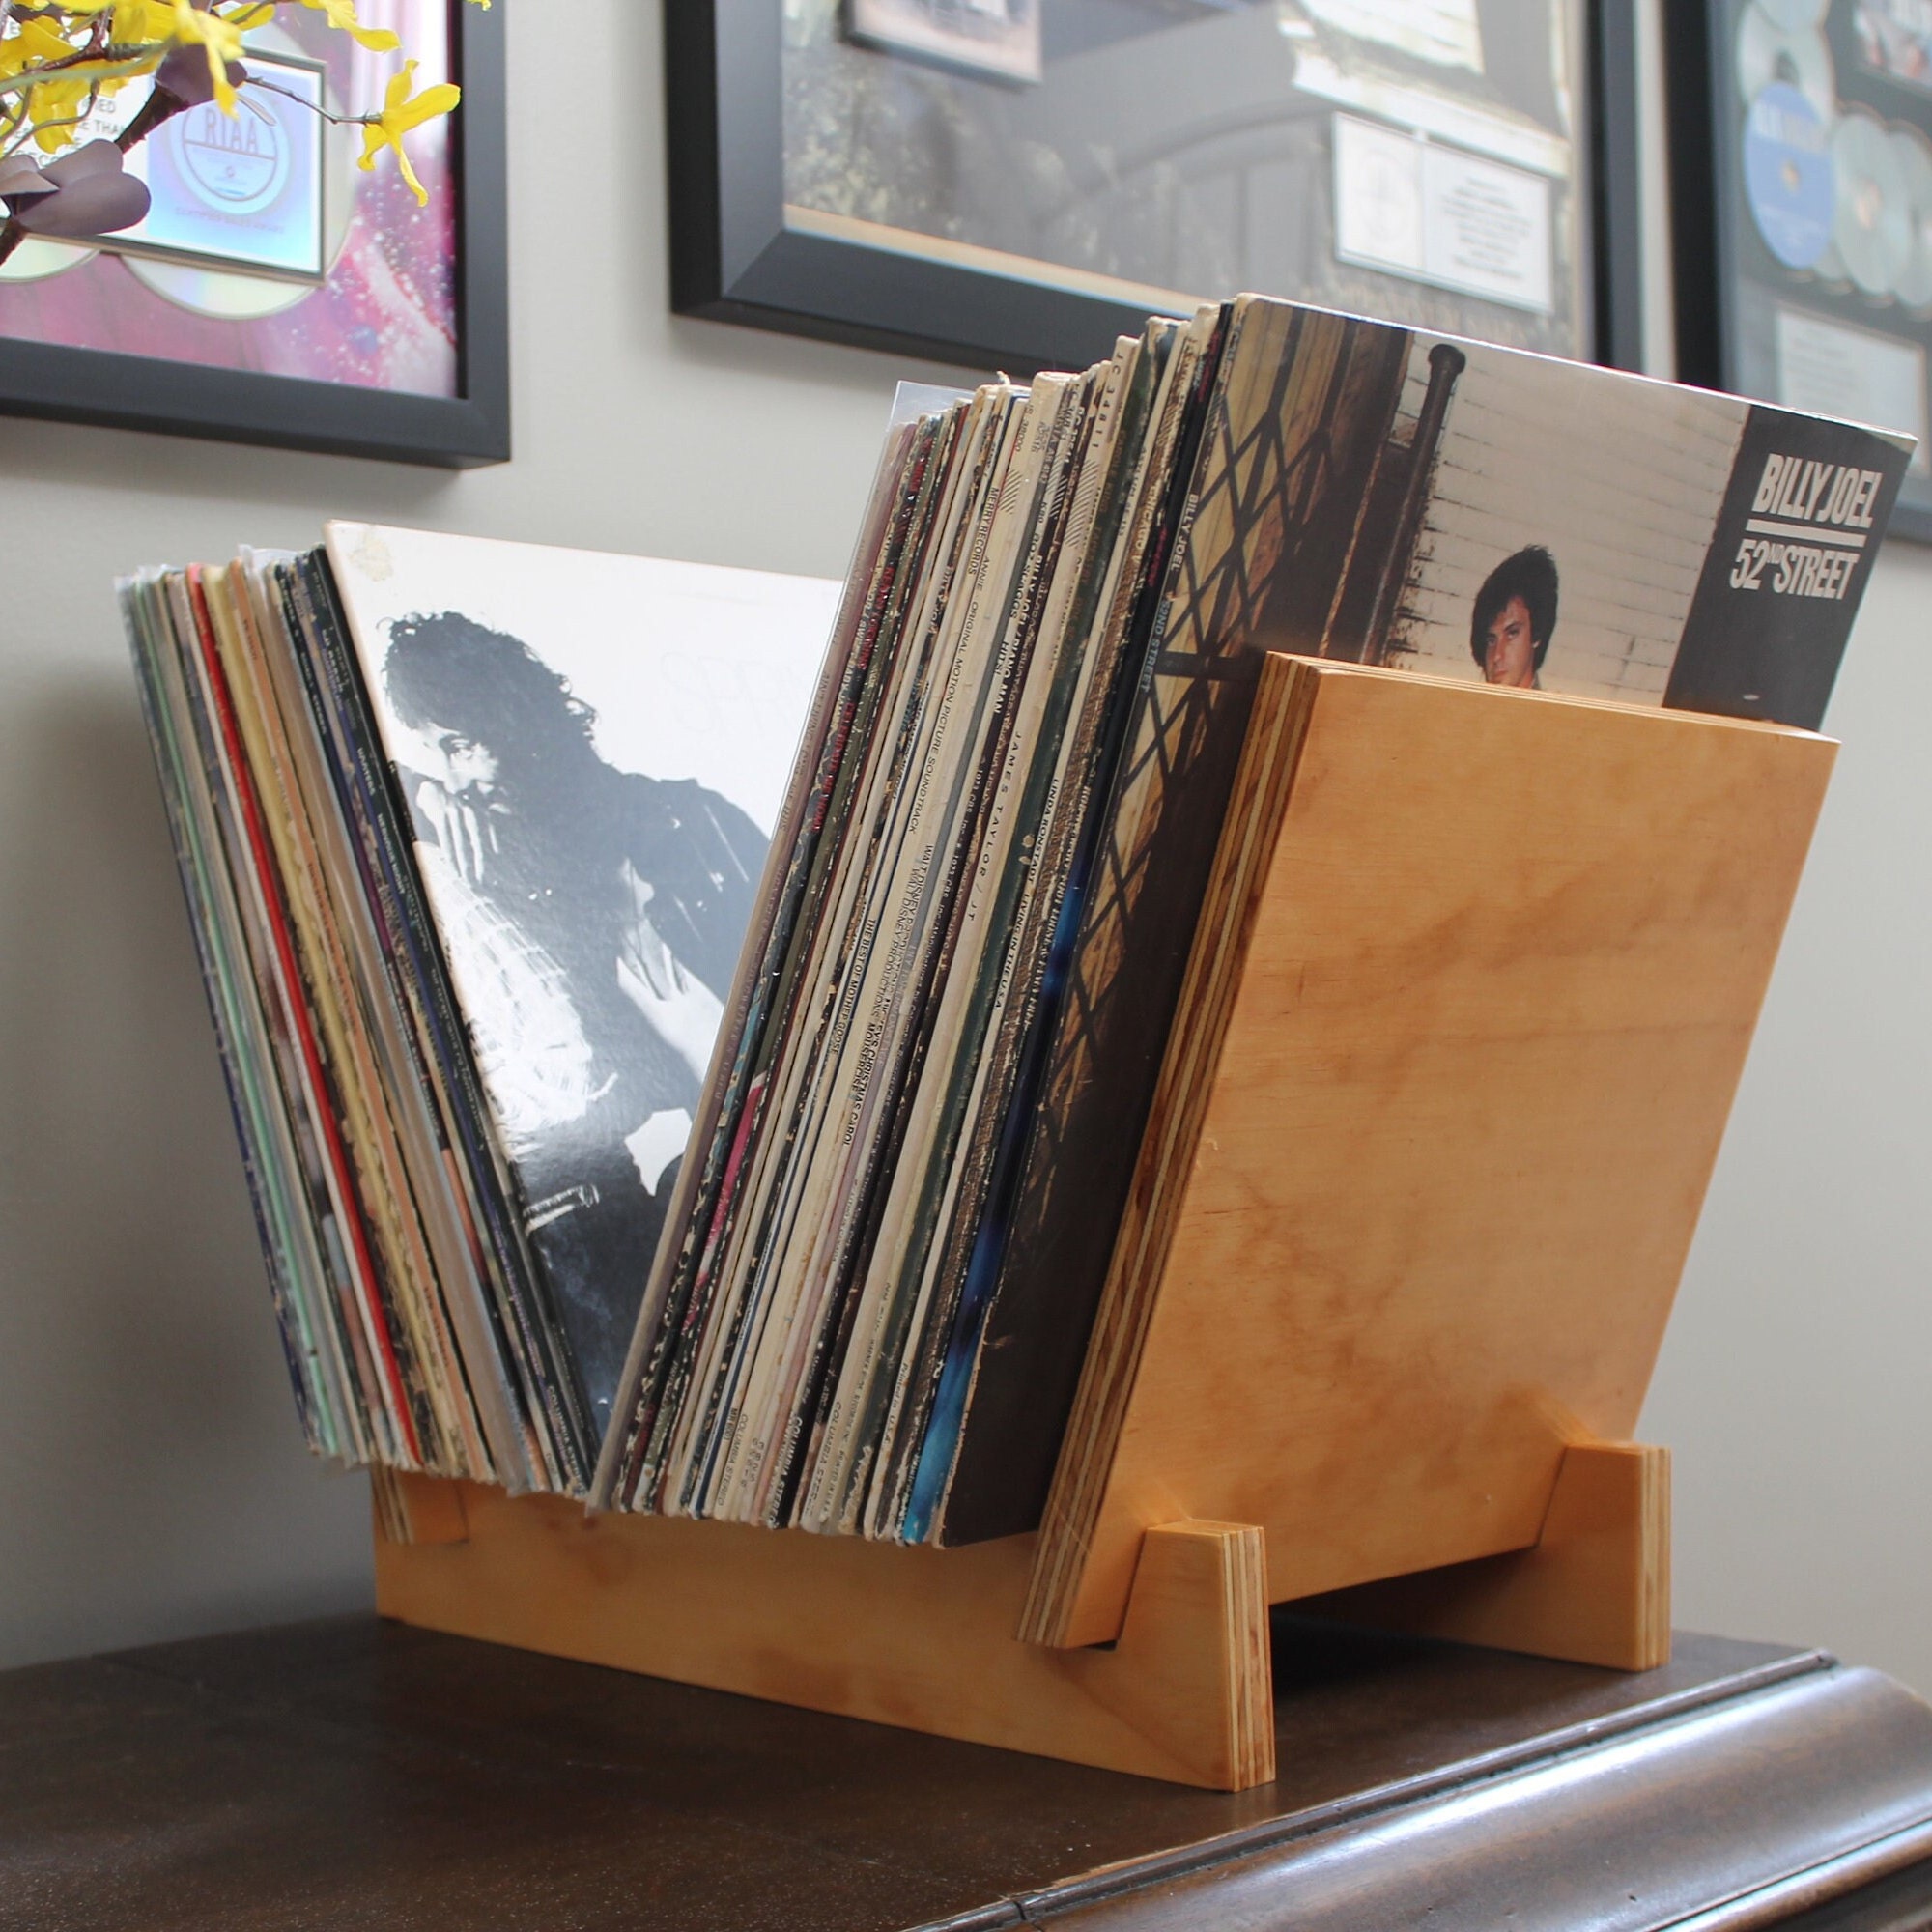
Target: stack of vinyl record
x: 686, y: 1064
x: 410, y: 785
x: 805, y: 1346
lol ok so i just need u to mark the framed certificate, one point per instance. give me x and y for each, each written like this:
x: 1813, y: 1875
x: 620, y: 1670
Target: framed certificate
x: 1801, y: 158
x: 277, y: 291
x: 1012, y: 182
x: 245, y: 192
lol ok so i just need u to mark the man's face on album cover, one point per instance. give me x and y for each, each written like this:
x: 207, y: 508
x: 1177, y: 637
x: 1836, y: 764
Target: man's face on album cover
x: 1509, y: 646
x: 463, y: 763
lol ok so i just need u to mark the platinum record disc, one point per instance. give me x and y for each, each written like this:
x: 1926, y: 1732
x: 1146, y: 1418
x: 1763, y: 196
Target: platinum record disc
x: 222, y: 293
x: 1788, y: 177
x: 1913, y: 154
x: 37, y: 258
x: 1767, y: 52
x: 1829, y: 266
x: 1871, y: 221
x: 1793, y: 15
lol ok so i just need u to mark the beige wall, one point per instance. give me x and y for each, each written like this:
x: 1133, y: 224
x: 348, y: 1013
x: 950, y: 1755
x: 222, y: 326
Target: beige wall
x: 1796, y: 1385
x: 152, y: 1481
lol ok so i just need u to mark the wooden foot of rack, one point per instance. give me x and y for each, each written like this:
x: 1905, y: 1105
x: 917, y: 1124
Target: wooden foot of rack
x: 918, y: 1637
x: 416, y: 1509
x: 1594, y: 1589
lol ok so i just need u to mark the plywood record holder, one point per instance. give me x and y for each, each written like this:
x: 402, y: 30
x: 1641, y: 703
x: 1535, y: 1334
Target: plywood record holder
x: 1468, y: 1000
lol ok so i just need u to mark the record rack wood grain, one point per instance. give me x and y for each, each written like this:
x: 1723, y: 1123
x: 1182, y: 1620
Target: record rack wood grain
x: 1469, y: 997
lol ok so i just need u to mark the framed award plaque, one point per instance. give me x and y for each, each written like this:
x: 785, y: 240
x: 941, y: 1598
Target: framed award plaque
x: 1012, y: 182
x: 277, y: 291
x: 1801, y: 157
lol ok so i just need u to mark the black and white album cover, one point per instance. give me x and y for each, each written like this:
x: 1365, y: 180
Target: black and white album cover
x: 592, y: 750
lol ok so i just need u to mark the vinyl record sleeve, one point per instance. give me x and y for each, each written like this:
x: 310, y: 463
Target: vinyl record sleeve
x: 286, y: 1188
x: 790, y: 869
x: 739, y: 1204
x: 854, y: 993
x: 592, y: 750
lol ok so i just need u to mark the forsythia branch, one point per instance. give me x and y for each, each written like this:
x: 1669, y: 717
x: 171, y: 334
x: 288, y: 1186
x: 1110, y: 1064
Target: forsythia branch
x: 60, y: 59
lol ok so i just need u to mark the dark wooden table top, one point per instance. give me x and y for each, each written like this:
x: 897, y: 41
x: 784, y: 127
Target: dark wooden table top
x: 351, y: 1773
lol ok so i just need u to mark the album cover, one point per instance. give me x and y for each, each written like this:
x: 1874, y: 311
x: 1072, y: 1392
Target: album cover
x: 593, y: 751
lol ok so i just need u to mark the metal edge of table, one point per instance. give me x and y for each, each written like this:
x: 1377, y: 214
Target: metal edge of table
x: 1755, y: 1801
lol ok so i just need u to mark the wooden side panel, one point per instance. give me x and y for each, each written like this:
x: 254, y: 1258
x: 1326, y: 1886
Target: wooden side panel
x: 917, y: 1637
x: 1425, y: 1229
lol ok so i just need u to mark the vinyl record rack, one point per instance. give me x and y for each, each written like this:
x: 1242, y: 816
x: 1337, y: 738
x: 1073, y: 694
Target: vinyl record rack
x: 1465, y: 1009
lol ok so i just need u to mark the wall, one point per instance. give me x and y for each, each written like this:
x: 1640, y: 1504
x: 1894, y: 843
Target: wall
x: 153, y: 1482
x: 1794, y: 1383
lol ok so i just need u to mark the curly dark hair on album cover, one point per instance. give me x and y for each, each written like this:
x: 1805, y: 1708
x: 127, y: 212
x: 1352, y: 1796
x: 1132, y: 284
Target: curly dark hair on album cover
x: 1531, y: 575
x: 449, y: 670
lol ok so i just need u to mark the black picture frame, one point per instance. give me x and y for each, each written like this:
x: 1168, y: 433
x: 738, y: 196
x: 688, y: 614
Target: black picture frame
x: 1713, y: 247
x: 733, y: 259
x: 98, y: 387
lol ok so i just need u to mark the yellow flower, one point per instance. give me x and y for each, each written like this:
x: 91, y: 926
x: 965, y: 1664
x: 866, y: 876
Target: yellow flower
x: 138, y: 21
x: 342, y: 13
x: 221, y: 38
x: 62, y: 101
x: 35, y: 45
x: 399, y: 116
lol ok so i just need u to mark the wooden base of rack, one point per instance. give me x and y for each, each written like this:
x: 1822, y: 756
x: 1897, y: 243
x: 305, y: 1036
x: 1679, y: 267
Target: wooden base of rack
x: 925, y: 1638
x: 1595, y: 1588
x: 918, y: 1637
